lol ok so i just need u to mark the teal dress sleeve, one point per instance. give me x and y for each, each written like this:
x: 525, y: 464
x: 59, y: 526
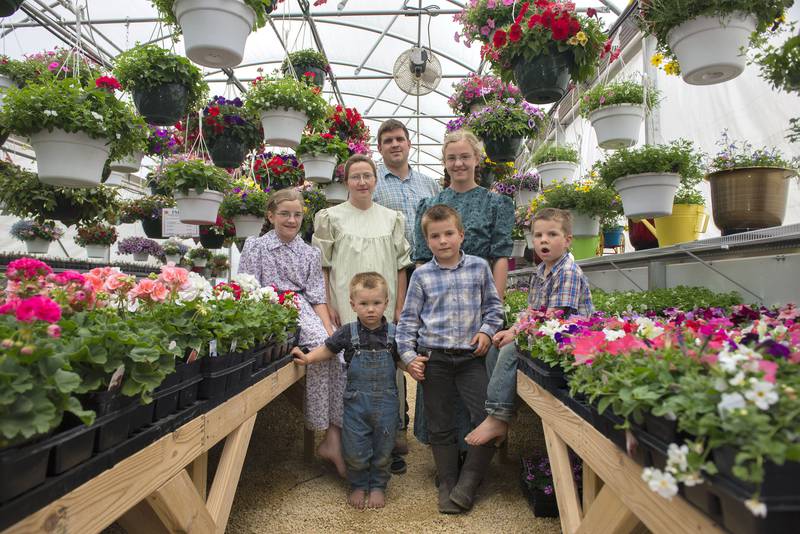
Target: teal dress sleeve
x: 421, y: 252
x: 502, y: 224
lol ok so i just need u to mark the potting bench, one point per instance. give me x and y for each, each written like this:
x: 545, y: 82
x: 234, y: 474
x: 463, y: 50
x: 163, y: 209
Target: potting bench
x: 615, y: 498
x: 162, y: 488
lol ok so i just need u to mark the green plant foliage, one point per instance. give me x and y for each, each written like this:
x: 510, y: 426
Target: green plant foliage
x: 611, y: 94
x: 200, y: 253
x: 145, y: 67
x: 96, y: 234
x: 586, y: 197
x: 196, y: 175
x: 323, y: 143
x: 658, y: 300
x: 506, y: 120
x: 273, y: 93
x: 244, y: 201
x: 148, y: 207
x: 548, y: 152
x: 307, y: 57
x: 780, y: 65
x: 678, y: 157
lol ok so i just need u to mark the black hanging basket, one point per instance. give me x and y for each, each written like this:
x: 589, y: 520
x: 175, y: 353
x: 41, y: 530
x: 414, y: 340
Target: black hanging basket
x: 227, y: 151
x: 544, y: 79
x: 211, y: 241
x: 163, y: 105
x: 9, y: 7
x: 502, y: 149
x: 152, y: 228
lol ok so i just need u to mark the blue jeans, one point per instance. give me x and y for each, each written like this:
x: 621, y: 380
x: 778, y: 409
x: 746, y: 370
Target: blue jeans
x: 370, y: 420
x: 502, y: 389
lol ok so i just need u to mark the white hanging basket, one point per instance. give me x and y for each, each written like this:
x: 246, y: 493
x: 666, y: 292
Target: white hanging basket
x: 523, y: 197
x: 247, y: 225
x: 5, y: 84
x: 69, y: 159
x: 283, y: 127
x: 37, y: 246
x: 556, y: 171
x: 709, y: 48
x: 529, y: 238
x: 584, y: 225
x: 617, y: 126
x: 647, y: 195
x: 319, y: 167
x: 174, y: 258
x: 519, y: 248
x: 102, y: 252
x: 214, y: 31
x: 199, y: 262
x: 128, y: 164
x: 140, y: 256
x: 198, y: 209
x: 335, y: 192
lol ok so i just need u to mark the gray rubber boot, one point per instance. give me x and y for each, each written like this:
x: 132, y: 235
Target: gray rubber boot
x: 475, y: 467
x: 446, y: 458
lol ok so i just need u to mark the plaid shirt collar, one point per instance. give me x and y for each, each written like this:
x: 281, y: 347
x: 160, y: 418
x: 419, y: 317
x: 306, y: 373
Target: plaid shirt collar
x: 273, y: 242
x: 460, y: 263
x: 384, y: 172
x: 562, y: 261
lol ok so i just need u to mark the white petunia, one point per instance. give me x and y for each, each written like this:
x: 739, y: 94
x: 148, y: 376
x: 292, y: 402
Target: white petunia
x: 662, y: 483
x: 613, y: 335
x: 692, y: 479
x: 247, y: 282
x: 730, y: 402
x: 762, y: 394
x: 729, y: 361
x: 552, y: 327
x: 757, y: 508
x: 720, y: 384
x: 97, y: 116
x: 737, y: 380
x: 50, y: 113
x: 677, y: 458
x: 647, y: 328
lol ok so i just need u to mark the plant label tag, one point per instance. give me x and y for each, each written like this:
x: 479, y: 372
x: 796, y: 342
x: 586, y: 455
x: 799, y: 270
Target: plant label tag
x: 116, y: 378
x: 233, y: 345
x: 192, y: 356
x: 212, y: 348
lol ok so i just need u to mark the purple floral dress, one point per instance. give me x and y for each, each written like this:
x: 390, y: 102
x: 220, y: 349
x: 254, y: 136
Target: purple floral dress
x: 295, y: 266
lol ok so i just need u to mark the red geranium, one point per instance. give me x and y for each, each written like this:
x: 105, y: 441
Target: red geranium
x: 107, y: 83
x: 515, y: 33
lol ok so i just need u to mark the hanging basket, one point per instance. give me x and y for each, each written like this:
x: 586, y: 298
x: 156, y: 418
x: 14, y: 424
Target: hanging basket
x: 140, y: 256
x: 749, y: 198
x: 502, y: 149
x: 128, y: 164
x: 198, y: 209
x: 283, y: 127
x: 212, y: 241
x: 709, y: 48
x: 162, y: 105
x: 37, y: 246
x: 584, y: 225
x: 247, y: 225
x: 319, y: 74
x: 69, y: 159
x: 556, y: 171
x: 9, y: 7
x: 152, y: 228
x: 335, y: 192
x: 214, y: 31
x: 617, y: 126
x: 519, y: 248
x: 319, y: 167
x: 544, y: 79
x: 523, y: 197
x: 227, y: 152
x: 98, y: 251
x: 648, y: 194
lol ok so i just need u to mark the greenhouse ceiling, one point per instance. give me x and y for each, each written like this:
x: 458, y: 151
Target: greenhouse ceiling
x: 361, y: 38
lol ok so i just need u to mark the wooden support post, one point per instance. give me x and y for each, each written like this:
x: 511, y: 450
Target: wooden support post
x: 592, y: 484
x: 223, y: 488
x: 609, y: 515
x: 141, y: 519
x: 180, y: 507
x: 198, y: 470
x: 569, y: 506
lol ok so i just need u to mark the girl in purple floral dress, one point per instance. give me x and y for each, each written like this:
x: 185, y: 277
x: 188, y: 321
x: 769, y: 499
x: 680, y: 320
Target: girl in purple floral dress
x: 282, y: 259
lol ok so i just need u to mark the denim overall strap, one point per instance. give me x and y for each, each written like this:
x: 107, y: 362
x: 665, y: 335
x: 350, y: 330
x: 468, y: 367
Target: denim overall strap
x: 390, y: 335
x: 354, y: 335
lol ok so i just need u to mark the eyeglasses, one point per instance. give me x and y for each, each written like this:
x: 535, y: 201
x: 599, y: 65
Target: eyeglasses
x: 366, y: 177
x: 289, y: 214
x: 466, y: 158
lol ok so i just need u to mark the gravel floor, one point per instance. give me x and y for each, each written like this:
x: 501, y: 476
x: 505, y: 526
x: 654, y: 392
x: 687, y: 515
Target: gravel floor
x: 279, y: 492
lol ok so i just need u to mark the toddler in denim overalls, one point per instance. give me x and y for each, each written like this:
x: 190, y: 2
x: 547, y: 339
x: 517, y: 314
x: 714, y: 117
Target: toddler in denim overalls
x: 371, y: 419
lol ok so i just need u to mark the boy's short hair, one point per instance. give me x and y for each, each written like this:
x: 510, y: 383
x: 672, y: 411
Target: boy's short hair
x: 440, y: 212
x: 370, y: 280
x: 555, y: 214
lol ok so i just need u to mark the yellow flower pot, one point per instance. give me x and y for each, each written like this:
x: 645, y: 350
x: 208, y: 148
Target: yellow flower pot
x: 685, y: 224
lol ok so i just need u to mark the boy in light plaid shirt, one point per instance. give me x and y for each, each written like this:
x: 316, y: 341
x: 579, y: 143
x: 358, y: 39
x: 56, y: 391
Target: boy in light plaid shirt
x: 451, y: 312
x: 557, y: 284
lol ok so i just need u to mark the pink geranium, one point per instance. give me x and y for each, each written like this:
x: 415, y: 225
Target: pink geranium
x: 148, y: 290
x: 27, y: 269
x: 35, y: 308
x: 174, y: 278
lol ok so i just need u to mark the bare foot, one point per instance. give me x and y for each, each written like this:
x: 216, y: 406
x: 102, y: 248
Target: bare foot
x: 331, y: 449
x: 488, y: 430
x: 357, y: 499
x: 377, y: 499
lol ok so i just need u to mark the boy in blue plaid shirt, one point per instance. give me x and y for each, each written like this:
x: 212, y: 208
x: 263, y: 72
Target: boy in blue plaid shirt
x: 558, y: 283
x: 451, y: 312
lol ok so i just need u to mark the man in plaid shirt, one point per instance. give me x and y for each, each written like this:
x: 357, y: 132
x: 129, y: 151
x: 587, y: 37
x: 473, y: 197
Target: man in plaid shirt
x: 558, y: 283
x: 451, y: 312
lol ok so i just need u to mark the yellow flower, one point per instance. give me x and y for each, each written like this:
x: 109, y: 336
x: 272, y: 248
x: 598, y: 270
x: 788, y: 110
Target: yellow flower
x: 672, y: 68
x: 781, y: 19
x: 572, y: 41
x: 657, y: 59
x: 581, y: 37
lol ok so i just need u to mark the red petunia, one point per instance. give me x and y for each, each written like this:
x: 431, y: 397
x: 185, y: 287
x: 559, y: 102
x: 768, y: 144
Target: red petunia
x: 309, y: 74
x: 535, y: 20
x: 107, y: 82
x: 574, y: 26
x: 326, y: 136
x: 560, y: 29
x: 213, y: 111
x: 515, y: 33
x: 548, y: 18
x: 522, y: 11
x: 542, y: 3
x: 499, y: 39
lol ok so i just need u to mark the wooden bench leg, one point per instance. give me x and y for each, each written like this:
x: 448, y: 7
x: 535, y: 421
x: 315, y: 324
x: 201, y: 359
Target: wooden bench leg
x: 198, y: 471
x: 609, y: 515
x: 181, y: 508
x: 569, y: 507
x: 141, y: 519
